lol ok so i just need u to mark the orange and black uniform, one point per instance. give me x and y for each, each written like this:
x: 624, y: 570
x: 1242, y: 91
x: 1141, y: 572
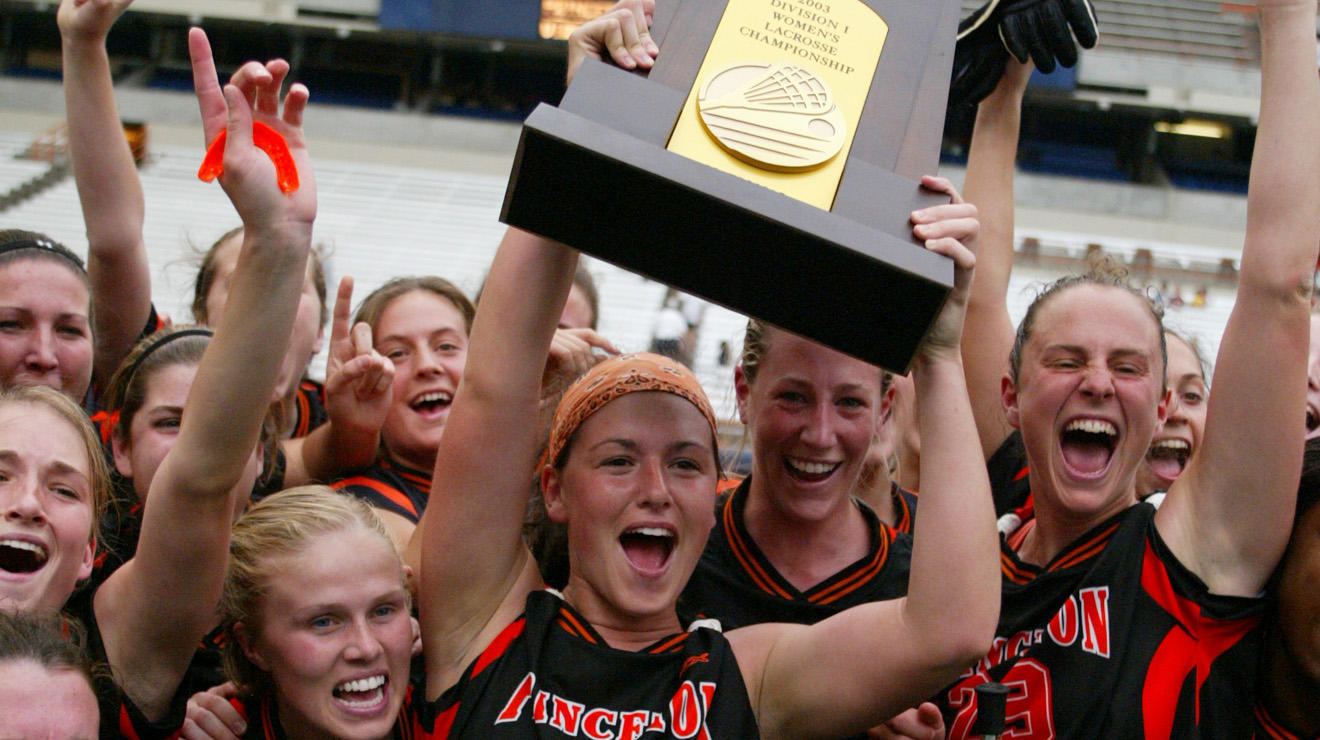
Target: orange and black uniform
x: 735, y: 582
x: 905, y: 508
x: 391, y: 487
x: 550, y: 675
x: 263, y: 718
x: 1116, y: 638
x: 1009, y: 484
x: 1269, y: 728
x: 308, y: 408
x: 120, y: 718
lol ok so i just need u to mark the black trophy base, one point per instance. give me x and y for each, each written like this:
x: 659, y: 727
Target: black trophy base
x: 628, y: 201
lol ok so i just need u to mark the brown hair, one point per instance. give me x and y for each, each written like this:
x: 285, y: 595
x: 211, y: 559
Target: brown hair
x: 756, y: 346
x: 278, y: 526
x: 71, y: 412
x: 178, y: 345
x: 374, y: 305
x: 1104, y: 272
x: 587, y: 284
x: 47, y: 639
x: 206, y: 278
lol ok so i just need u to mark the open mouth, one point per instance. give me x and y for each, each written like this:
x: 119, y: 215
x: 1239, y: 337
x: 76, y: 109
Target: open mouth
x: 1312, y: 420
x: 1088, y: 446
x: 810, y: 471
x: 433, y: 403
x: 21, y: 556
x: 1168, y: 457
x: 363, y: 693
x: 648, y: 548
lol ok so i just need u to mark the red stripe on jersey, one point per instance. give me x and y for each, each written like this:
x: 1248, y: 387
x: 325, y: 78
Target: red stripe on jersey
x: 1024, y: 472
x: 858, y: 579
x: 444, y: 722
x: 670, y: 645
x: 573, y: 626
x: 497, y: 646
x: 1085, y: 551
x: 1273, y: 730
x: 126, y: 728
x: 1192, y: 645
x: 384, y: 489
x: 744, y: 556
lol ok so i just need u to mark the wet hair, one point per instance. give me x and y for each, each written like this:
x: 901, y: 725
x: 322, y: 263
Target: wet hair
x: 587, y: 284
x: 47, y: 639
x: 206, y: 278
x: 71, y: 412
x: 279, y: 526
x: 756, y: 347
x: 178, y: 345
x: 374, y: 305
x: 1104, y: 272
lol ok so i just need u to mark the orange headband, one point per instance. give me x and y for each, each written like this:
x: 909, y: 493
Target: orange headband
x: 619, y: 376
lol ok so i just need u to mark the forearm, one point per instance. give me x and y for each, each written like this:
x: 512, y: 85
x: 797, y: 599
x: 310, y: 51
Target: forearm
x: 953, y: 591
x: 988, y: 336
x: 232, y: 391
x: 328, y: 451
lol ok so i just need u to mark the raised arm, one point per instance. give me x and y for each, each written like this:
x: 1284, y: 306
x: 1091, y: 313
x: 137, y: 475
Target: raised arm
x: 1228, y: 516
x: 866, y: 664
x: 154, y: 609
x: 475, y: 569
x: 989, y: 335
x: 108, y: 186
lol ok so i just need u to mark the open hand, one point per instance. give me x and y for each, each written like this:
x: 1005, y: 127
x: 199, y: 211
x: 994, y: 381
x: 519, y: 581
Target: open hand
x: 624, y: 31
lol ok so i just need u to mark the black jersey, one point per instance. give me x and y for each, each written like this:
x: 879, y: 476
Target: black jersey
x: 905, y: 508
x: 1116, y: 639
x: 392, y: 487
x: 735, y: 583
x: 120, y: 718
x: 261, y: 713
x: 1269, y: 728
x: 549, y: 675
x: 308, y: 408
x: 1009, y: 484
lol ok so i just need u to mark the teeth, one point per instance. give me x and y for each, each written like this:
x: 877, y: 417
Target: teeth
x: 1092, y: 426
x: 25, y: 545
x: 361, y: 685
x: 651, y: 532
x: 434, y: 397
x: 1172, y: 444
x: 811, y: 468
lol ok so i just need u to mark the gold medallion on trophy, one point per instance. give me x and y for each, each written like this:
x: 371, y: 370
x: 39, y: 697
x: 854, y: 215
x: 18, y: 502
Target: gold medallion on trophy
x: 779, y: 117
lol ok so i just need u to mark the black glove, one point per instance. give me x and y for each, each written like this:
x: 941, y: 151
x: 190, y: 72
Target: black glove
x: 979, y: 58
x: 1039, y: 30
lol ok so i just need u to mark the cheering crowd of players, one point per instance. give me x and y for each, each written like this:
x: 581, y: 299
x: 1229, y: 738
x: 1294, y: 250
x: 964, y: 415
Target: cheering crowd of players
x: 521, y: 534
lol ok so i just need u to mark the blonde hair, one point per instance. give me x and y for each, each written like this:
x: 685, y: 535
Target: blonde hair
x: 278, y: 526
x: 68, y: 410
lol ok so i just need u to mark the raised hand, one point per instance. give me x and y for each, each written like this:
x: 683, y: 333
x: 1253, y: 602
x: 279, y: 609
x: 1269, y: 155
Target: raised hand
x: 624, y: 31
x: 88, y: 20
x: 249, y: 177
x: 358, y: 379
x: 948, y: 230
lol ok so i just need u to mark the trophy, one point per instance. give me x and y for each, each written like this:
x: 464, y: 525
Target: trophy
x: 768, y: 162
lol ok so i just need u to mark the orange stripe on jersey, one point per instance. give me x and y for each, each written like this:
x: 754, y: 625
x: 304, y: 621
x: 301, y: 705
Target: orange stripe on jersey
x: 497, y: 646
x: 1012, y: 571
x: 1082, y: 552
x: 744, y: 556
x: 421, y: 481
x: 858, y: 579
x: 1273, y: 730
x: 304, y: 413
x: 384, y: 489
x: 903, y: 522
x: 571, y: 623
x: 669, y: 645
